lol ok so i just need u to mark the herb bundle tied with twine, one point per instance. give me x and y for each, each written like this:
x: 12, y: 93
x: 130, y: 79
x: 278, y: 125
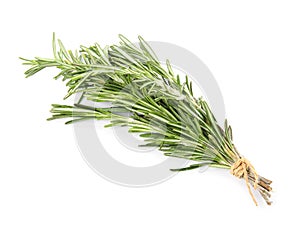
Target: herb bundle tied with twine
x: 149, y: 99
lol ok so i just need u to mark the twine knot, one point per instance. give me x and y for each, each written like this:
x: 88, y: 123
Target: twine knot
x: 240, y: 169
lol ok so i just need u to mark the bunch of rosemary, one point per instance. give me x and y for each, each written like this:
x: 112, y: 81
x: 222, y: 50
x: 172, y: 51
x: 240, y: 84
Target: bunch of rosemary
x: 161, y: 107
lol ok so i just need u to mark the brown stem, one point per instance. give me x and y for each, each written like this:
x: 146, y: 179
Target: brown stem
x: 263, y: 186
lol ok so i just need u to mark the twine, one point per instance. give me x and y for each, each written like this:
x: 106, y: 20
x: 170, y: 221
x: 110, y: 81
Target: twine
x: 240, y: 169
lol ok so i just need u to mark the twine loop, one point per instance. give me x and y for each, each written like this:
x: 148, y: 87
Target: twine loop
x: 240, y: 169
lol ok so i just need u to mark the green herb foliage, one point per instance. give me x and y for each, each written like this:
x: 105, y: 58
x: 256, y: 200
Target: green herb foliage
x: 145, y: 96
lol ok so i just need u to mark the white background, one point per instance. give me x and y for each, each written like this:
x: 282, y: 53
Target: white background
x: 251, y: 47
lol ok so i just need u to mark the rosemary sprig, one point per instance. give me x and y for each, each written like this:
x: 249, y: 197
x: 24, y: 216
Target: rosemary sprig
x: 162, y: 108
